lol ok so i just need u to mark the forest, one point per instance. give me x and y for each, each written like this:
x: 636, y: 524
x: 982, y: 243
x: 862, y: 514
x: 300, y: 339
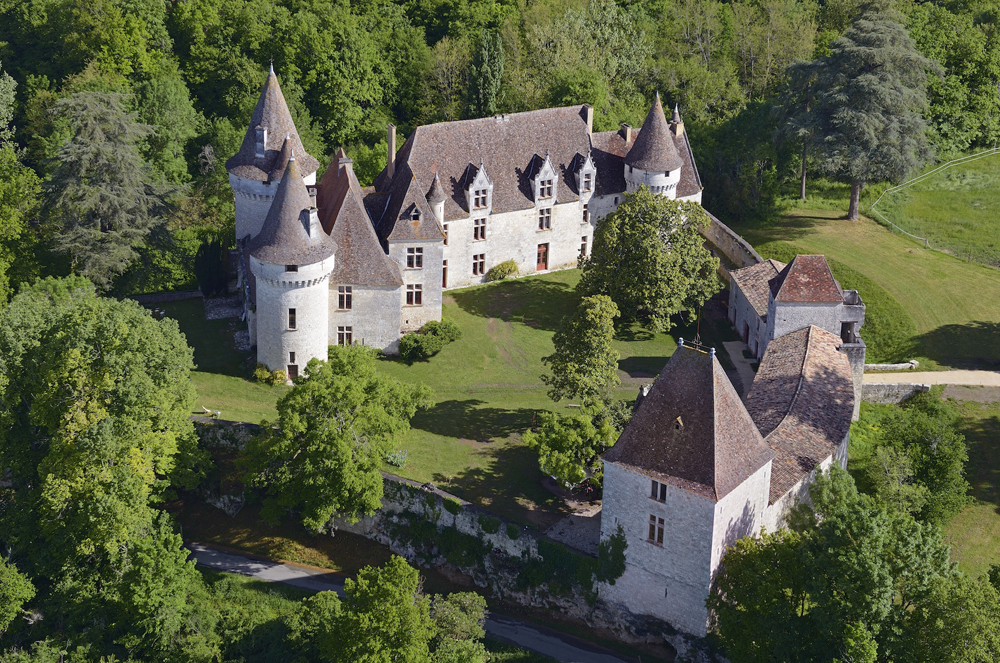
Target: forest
x: 126, y: 110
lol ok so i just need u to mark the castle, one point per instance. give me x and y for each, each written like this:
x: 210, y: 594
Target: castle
x: 334, y: 263
x: 697, y: 468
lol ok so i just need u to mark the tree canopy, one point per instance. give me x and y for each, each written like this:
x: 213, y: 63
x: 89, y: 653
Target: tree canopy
x: 585, y: 363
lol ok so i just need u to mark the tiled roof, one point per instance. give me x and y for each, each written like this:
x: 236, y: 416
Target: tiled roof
x: 397, y: 221
x: 608, y: 154
x: 692, y: 430
x: 654, y: 148
x: 753, y: 283
x: 807, y: 278
x: 284, y: 238
x: 436, y: 194
x: 360, y: 258
x: 802, y: 400
x: 272, y: 114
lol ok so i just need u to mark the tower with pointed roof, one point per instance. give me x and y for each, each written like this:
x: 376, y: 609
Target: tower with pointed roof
x: 654, y: 160
x: 257, y: 169
x: 291, y: 260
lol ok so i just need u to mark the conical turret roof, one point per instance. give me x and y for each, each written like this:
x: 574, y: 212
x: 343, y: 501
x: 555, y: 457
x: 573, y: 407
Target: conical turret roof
x: 654, y: 149
x: 436, y: 194
x: 288, y: 236
x: 272, y: 114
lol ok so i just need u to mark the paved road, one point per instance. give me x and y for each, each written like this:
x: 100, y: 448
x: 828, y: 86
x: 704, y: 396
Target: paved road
x: 561, y: 647
x: 970, y: 378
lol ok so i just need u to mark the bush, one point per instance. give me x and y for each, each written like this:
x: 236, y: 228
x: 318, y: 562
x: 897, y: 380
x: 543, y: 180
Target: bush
x: 396, y: 458
x: 429, y: 340
x: 888, y: 330
x: 454, y: 507
x: 489, y: 524
x: 504, y: 270
x: 513, y: 532
x: 265, y: 375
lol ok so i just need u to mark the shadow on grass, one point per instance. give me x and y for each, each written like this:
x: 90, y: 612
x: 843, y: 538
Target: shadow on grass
x: 212, y: 340
x: 983, y: 469
x: 509, y: 484
x: 467, y: 420
x: 642, y: 367
x: 537, y: 302
x: 972, y: 345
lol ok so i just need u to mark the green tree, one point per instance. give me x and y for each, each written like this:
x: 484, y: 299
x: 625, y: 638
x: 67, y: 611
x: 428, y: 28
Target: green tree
x: 650, y: 259
x: 15, y: 590
x: 869, y: 104
x: 458, y: 624
x: 333, y: 431
x: 585, y: 362
x: 569, y: 446
x: 165, y: 105
x: 487, y: 75
x: 960, y: 623
x: 101, y: 200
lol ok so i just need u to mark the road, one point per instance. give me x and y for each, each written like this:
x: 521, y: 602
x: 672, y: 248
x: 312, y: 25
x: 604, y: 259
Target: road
x: 559, y: 646
x: 968, y: 378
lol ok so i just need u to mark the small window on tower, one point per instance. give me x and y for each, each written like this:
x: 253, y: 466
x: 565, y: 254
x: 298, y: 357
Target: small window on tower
x: 291, y: 318
x: 291, y: 357
x: 444, y: 227
x: 291, y: 268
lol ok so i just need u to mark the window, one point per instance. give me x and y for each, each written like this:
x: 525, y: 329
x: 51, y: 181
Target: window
x: 586, y: 212
x: 588, y: 181
x: 479, y: 229
x: 415, y: 295
x: 415, y: 258
x: 545, y: 218
x: 415, y: 215
x: 291, y: 318
x: 583, y: 247
x: 291, y: 268
x: 345, y: 335
x: 444, y: 273
x: 344, y: 298
x: 293, y: 371
x: 444, y: 227
x: 658, y: 492
x: 479, y: 199
x: 479, y: 264
x: 656, y: 530
x: 545, y: 189
x: 291, y: 357
x: 616, y: 200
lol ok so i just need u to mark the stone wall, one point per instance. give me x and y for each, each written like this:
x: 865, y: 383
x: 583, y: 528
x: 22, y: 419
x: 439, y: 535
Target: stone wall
x: 373, y: 316
x: 744, y: 317
x: 736, y: 249
x: 428, y: 277
x: 890, y: 393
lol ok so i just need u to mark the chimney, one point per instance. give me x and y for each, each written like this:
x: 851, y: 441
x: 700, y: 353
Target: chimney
x: 626, y: 132
x: 391, y: 140
x: 676, y: 123
x: 589, y: 111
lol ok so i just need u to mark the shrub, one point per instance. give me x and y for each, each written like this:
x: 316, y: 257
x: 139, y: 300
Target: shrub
x: 445, y: 329
x: 266, y: 376
x: 429, y: 340
x: 396, y: 458
x: 504, y: 270
x: 513, y: 532
x: 489, y: 524
x: 452, y: 506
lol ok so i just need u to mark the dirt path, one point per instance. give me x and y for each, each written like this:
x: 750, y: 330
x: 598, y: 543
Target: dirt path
x: 973, y: 378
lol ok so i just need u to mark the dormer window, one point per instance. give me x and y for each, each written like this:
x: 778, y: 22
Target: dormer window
x: 479, y: 199
x: 415, y: 215
x: 588, y: 182
x: 545, y: 189
x: 586, y: 176
x: 260, y: 143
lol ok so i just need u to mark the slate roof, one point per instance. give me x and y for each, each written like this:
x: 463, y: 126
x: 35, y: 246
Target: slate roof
x: 807, y: 278
x: 754, y: 283
x: 692, y: 430
x: 436, y: 194
x: 360, y: 258
x: 284, y: 237
x: 801, y: 400
x: 405, y: 196
x: 654, y: 148
x: 271, y: 113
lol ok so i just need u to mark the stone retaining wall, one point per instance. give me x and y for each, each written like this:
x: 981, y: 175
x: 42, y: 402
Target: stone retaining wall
x: 910, y: 365
x: 736, y: 249
x: 891, y: 393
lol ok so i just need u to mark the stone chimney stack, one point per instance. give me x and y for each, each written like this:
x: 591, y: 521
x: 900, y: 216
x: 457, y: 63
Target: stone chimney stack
x: 676, y: 123
x: 391, y: 140
x: 626, y: 132
x: 589, y: 111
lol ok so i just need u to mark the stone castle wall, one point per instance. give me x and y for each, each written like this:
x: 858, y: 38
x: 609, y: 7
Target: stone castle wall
x: 373, y: 318
x: 885, y: 393
x: 428, y: 276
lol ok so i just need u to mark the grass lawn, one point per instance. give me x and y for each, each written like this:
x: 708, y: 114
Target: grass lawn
x: 957, y: 209
x: 954, y: 304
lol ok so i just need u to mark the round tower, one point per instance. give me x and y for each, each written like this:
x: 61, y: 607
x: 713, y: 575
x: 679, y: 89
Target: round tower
x: 291, y: 259
x: 653, y: 159
x: 256, y: 170
x: 436, y: 198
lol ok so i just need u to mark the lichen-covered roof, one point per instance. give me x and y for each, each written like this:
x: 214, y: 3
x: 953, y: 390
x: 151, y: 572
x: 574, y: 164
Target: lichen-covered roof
x: 753, y: 282
x: 654, y: 148
x: 807, y: 279
x: 608, y: 153
x: 398, y: 222
x: 691, y: 430
x: 436, y: 194
x: 801, y: 400
x: 272, y: 114
x: 285, y: 237
x: 360, y: 258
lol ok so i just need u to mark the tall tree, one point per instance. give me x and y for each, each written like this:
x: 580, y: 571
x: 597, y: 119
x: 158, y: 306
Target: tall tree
x: 650, y: 259
x: 869, y: 104
x: 585, y: 362
x: 334, y: 429
x: 15, y: 590
x: 487, y: 74
x: 101, y: 199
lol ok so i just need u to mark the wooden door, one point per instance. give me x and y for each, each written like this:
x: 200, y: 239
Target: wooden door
x: 542, y: 262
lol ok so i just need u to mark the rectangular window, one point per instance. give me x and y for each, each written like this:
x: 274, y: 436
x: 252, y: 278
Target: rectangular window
x: 583, y: 247
x: 588, y: 181
x: 291, y: 357
x: 345, y: 335
x: 415, y: 258
x: 291, y: 268
x: 479, y: 264
x: 479, y: 229
x: 444, y: 273
x: 545, y: 218
x: 656, y: 530
x: 444, y: 227
x: 545, y: 189
x: 415, y: 295
x: 479, y: 199
x: 293, y: 371
x: 291, y: 318
x: 658, y: 492
x: 344, y: 298
x: 586, y: 212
